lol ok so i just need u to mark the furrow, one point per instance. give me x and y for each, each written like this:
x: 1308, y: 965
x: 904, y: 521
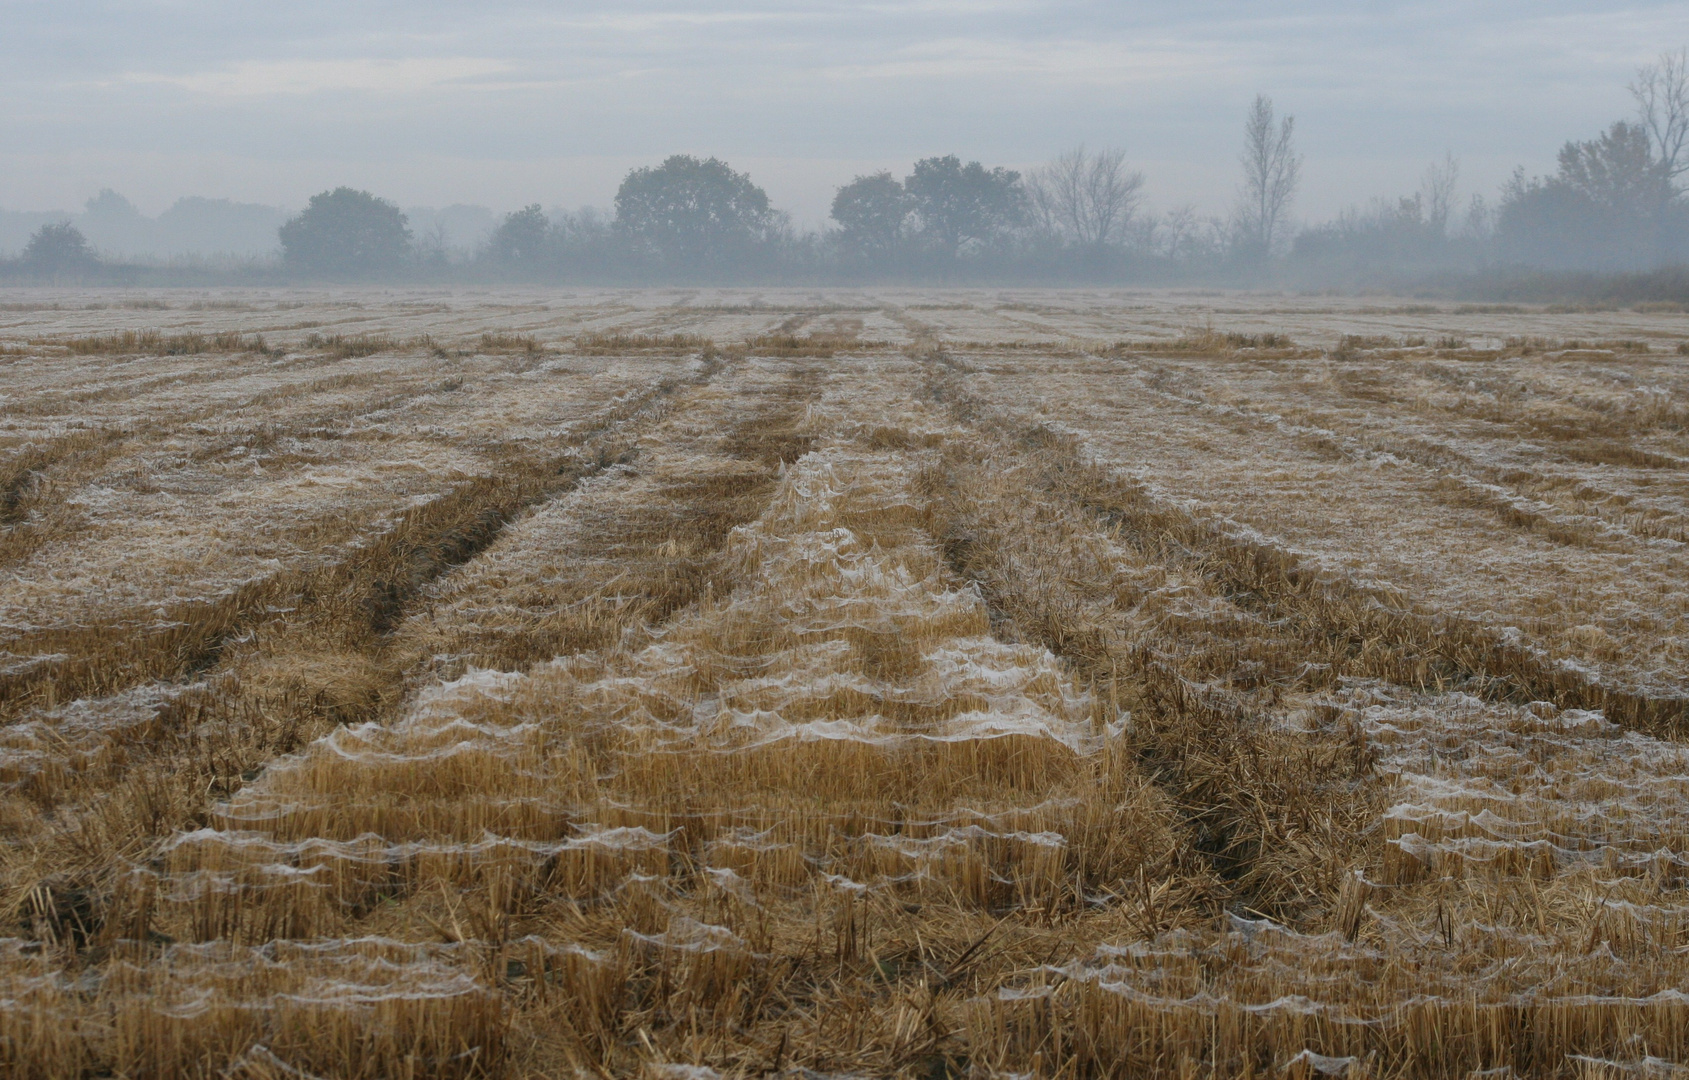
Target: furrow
x: 312, y: 651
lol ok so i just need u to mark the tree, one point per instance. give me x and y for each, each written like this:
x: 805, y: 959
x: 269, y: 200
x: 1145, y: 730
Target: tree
x: 694, y: 214
x: 1271, y: 170
x: 1661, y: 91
x: 1090, y: 198
x: 59, y: 250
x: 871, y: 211
x: 957, y: 204
x: 523, y: 240
x: 1436, y: 193
x: 1409, y: 234
x: 1183, y: 236
x: 1617, y: 171
x: 1609, y: 207
x: 113, y: 223
x: 346, y: 233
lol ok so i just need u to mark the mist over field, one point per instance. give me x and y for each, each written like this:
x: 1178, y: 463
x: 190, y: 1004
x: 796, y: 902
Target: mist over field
x: 919, y: 539
x: 1419, y: 141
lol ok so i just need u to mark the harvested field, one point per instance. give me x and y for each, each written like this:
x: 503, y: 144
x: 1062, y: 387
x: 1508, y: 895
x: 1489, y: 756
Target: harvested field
x: 694, y: 684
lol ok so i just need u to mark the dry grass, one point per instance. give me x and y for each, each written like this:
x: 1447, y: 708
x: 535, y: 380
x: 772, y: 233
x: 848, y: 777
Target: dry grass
x: 822, y: 706
x: 816, y: 345
x: 616, y: 344
x: 507, y: 341
x: 158, y: 343
x: 1207, y: 340
x: 356, y: 346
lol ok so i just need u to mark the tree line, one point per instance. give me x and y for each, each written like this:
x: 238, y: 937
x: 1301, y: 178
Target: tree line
x: 1616, y: 202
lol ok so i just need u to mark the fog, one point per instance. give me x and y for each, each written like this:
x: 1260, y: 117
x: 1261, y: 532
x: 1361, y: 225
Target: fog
x: 188, y: 133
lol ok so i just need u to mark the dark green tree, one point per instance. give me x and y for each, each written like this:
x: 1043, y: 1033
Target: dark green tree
x: 958, y: 204
x: 693, y: 214
x: 346, y: 233
x: 1610, y: 206
x: 59, y: 250
x: 523, y: 241
x: 1617, y: 171
x: 871, y: 211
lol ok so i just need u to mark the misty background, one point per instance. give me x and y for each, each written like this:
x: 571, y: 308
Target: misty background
x: 1427, y: 136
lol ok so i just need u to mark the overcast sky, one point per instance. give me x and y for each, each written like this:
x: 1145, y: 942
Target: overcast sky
x: 508, y: 103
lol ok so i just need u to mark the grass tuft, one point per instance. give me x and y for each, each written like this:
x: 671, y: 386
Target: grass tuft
x: 598, y: 344
x: 157, y: 343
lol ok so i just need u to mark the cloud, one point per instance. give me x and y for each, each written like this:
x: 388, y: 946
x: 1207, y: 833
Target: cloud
x: 1094, y: 63
x: 265, y: 78
x: 317, y: 91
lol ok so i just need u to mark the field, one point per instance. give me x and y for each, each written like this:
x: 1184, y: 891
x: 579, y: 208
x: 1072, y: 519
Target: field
x: 991, y: 683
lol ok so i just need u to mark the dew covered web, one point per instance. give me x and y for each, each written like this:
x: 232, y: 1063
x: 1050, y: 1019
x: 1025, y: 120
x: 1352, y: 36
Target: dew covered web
x: 829, y: 812
x: 842, y: 667
x: 1535, y: 791
x: 1527, y: 918
x: 840, y: 724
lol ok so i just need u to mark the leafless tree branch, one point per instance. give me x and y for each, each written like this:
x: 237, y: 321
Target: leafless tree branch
x: 1661, y: 90
x: 1089, y: 197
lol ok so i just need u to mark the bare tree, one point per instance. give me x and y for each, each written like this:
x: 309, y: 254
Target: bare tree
x: 1042, y: 212
x: 1184, y: 236
x: 1661, y: 91
x: 1271, y: 169
x: 1090, y: 197
x: 1436, y: 193
x: 1178, y: 231
x: 1479, y: 224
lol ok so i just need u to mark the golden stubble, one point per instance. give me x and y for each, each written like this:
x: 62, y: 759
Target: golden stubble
x: 808, y: 704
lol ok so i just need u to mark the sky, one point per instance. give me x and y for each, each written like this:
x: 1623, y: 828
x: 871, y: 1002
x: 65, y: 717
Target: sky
x: 502, y: 104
